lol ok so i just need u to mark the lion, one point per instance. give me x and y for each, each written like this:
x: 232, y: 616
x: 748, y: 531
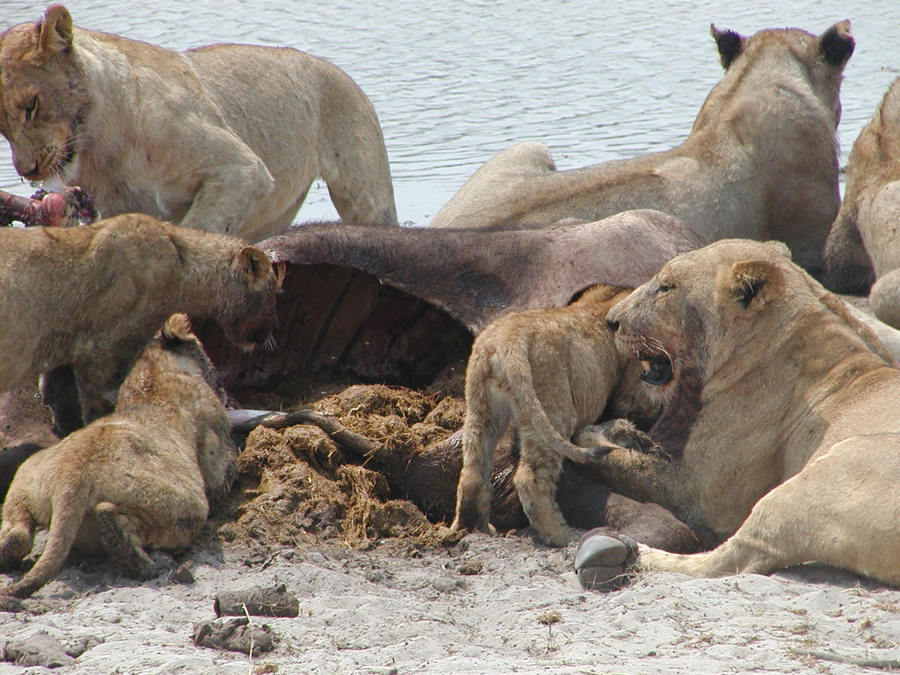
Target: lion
x: 760, y: 161
x: 550, y: 372
x: 142, y: 477
x: 781, y: 420
x: 864, y: 242
x: 225, y: 138
x: 88, y: 298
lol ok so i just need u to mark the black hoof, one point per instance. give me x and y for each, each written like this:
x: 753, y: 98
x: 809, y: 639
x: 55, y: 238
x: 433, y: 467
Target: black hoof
x: 602, y: 561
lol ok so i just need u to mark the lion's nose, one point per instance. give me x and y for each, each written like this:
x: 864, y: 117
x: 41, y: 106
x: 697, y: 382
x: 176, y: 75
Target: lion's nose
x: 34, y: 173
x: 613, y: 325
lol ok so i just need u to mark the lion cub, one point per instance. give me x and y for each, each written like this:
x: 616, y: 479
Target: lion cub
x: 140, y: 477
x: 90, y: 297
x: 550, y: 372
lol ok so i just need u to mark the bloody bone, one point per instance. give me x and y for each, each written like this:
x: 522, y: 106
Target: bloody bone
x: 71, y: 206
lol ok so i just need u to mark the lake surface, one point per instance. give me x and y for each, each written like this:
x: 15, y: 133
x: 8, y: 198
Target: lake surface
x: 456, y: 81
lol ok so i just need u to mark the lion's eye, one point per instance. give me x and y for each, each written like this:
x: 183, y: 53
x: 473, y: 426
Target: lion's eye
x: 31, y: 109
x: 663, y: 288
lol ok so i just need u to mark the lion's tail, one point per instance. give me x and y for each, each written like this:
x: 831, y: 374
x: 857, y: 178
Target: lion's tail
x: 534, y: 425
x: 68, y: 507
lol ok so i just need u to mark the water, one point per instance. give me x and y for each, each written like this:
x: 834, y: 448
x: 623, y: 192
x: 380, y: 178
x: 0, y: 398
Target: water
x: 456, y: 81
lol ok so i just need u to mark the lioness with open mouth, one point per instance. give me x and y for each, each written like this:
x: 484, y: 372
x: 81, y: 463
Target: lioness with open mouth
x: 781, y: 416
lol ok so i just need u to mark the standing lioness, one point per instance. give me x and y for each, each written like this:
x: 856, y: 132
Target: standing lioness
x: 226, y: 138
x: 90, y: 297
x: 138, y: 478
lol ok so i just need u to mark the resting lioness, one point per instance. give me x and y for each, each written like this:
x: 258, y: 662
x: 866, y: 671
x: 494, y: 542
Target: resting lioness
x: 90, y: 297
x: 226, y: 138
x: 549, y: 372
x: 781, y: 417
x: 760, y: 160
x: 864, y: 242
x: 141, y: 477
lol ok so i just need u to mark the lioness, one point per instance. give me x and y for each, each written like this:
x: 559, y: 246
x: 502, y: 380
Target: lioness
x: 550, y: 372
x: 760, y: 161
x: 140, y: 477
x: 864, y: 242
x: 226, y: 138
x: 90, y: 297
x: 781, y: 417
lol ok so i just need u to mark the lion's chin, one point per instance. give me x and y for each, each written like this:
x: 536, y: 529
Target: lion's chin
x: 66, y: 173
x: 656, y: 369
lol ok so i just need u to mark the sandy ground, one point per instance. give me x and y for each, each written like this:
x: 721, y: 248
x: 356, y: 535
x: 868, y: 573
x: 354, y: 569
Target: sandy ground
x: 415, y: 611
x: 382, y: 590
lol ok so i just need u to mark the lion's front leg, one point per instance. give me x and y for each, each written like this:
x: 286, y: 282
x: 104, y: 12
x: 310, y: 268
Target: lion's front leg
x: 635, y: 466
x: 229, y: 199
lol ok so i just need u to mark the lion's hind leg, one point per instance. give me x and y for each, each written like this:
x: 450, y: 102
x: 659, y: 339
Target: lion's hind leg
x: 16, y: 537
x: 358, y: 174
x: 122, y: 543
x: 170, y: 519
x: 487, y: 417
x: 69, y: 504
x: 535, y: 480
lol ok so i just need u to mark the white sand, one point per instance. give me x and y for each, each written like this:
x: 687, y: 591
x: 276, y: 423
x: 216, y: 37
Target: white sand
x: 380, y: 612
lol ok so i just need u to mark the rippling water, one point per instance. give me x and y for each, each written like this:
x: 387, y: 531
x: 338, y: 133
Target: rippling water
x: 456, y: 81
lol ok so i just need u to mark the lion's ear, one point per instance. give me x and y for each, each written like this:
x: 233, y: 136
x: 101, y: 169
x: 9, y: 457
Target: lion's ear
x: 754, y: 283
x: 730, y: 44
x: 56, y: 30
x: 255, y: 264
x: 836, y: 44
x: 176, y: 329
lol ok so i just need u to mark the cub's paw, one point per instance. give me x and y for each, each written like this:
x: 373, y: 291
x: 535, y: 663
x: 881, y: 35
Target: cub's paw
x: 465, y: 526
x: 618, y: 433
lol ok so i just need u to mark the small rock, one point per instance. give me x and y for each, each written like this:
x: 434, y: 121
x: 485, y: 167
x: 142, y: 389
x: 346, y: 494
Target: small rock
x: 11, y: 604
x: 80, y: 645
x: 258, y: 601
x: 316, y: 558
x: 236, y: 635
x: 470, y: 567
x: 38, y: 650
x: 182, y: 574
x: 445, y: 584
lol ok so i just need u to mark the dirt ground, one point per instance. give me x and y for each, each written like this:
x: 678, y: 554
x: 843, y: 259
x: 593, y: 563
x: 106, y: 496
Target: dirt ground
x: 380, y: 588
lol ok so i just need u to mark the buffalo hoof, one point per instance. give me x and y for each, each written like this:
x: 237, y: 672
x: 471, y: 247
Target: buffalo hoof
x: 603, y: 559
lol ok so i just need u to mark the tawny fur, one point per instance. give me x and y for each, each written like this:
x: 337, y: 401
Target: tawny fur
x: 790, y: 448
x: 548, y: 372
x: 92, y: 296
x: 760, y: 161
x: 136, y: 479
x: 864, y: 243
x: 225, y: 138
